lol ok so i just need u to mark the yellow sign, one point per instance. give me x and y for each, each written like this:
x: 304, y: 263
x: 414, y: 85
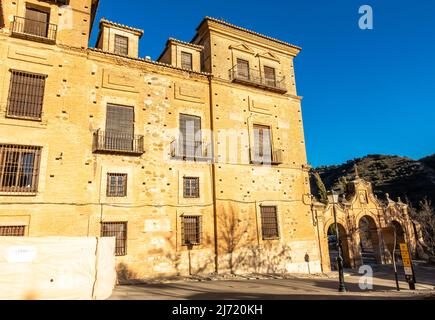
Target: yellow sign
x: 406, y: 259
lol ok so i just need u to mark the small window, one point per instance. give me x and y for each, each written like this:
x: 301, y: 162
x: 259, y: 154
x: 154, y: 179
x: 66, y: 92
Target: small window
x: 116, y: 185
x: 121, y: 45
x: 19, y: 168
x: 243, y: 69
x: 190, y: 136
x: 191, y: 187
x: 186, y: 60
x: 191, y: 230
x: 269, y: 222
x: 12, y: 231
x: 262, y: 144
x: 26, y: 95
x: 37, y: 22
x: 269, y: 76
x: 119, y: 231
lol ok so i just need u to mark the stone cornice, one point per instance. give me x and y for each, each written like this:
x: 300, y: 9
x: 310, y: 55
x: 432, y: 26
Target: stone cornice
x: 246, y: 34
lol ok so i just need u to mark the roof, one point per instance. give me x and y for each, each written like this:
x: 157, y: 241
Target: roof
x: 223, y: 22
x: 148, y: 61
x: 122, y: 26
x: 196, y: 46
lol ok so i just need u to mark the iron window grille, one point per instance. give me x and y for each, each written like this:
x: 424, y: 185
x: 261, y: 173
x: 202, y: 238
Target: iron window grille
x: 26, y: 95
x: 12, y: 231
x: 119, y: 231
x: 19, y: 168
x: 116, y: 185
x: 191, y: 230
x: 186, y: 60
x: 121, y: 45
x: 191, y: 187
x: 269, y: 222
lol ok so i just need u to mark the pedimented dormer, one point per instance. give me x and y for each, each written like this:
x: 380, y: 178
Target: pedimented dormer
x: 119, y: 39
x: 182, y: 55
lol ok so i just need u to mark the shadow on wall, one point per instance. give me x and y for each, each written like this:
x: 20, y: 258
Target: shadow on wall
x: 239, y: 249
x: 180, y: 262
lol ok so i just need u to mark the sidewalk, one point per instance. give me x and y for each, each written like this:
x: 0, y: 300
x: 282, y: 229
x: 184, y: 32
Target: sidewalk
x: 263, y: 287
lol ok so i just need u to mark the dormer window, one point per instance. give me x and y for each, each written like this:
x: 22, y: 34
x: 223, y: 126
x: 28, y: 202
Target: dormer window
x: 121, y: 45
x: 186, y: 60
x: 119, y: 39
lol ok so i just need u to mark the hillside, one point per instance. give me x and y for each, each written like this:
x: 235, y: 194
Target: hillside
x: 399, y: 176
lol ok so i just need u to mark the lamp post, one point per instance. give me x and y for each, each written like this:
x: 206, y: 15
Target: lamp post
x: 341, y: 287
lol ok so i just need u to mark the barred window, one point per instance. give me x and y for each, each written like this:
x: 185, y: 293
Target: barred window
x: 19, y: 168
x: 119, y: 231
x: 121, y: 45
x: 186, y: 60
x: 191, y: 229
x: 26, y: 95
x: 269, y: 222
x: 116, y: 185
x: 191, y: 187
x: 12, y: 231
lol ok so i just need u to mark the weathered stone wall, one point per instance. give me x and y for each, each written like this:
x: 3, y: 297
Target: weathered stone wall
x: 71, y: 198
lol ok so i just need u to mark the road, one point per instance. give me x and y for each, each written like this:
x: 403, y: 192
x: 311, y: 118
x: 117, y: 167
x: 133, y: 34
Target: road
x: 291, y: 287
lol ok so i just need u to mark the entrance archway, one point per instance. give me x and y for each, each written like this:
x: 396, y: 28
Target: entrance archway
x: 332, y: 245
x: 369, y: 241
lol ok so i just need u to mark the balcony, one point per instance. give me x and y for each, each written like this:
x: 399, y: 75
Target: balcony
x: 33, y: 30
x: 274, y: 158
x: 115, y: 142
x: 255, y: 78
x: 191, y: 151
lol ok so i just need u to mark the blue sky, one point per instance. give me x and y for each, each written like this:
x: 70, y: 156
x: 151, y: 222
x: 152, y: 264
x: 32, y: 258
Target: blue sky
x: 365, y: 91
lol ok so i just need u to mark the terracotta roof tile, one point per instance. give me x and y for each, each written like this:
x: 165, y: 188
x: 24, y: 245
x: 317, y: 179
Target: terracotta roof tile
x: 103, y: 20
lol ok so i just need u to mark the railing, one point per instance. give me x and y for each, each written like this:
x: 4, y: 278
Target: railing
x: 34, y: 30
x: 257, y: 78
x: 274, y: 158
x: 116, y: 142
x: 190, y: 150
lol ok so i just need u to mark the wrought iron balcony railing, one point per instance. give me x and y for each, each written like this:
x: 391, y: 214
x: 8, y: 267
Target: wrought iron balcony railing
x: 116, y: 142
x: 257, y: 78
x: 275, y: 157
x: 191, y: 150
x: 33, y: 30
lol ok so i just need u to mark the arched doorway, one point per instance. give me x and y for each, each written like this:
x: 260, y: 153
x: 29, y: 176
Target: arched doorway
x: 400, y: 238
x: 369, y: 241
x: 332, y: 245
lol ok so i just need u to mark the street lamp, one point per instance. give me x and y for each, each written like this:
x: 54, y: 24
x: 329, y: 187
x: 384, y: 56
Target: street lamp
x: 341, y: 287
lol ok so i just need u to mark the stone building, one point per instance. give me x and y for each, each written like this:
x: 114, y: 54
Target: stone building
x: 196, y: 162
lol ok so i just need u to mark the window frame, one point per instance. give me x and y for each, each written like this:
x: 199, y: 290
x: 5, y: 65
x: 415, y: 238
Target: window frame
x: 183, y: 66
x: 119, y: 47
x: 191, y: 195
x: 260, y: 146
x: 248, y: 73
x: 116, y: 193
x: 120, y: 250
x: 17, y: 151
x: 22, y: 93
x: 264, y: 234
x: 197, y: 229
x: 13, y: 231
x: 269, y: 81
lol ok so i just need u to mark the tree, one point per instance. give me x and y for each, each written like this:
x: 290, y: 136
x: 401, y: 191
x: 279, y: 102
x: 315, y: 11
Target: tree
x: 425, y: 217
x: 320, y: 188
